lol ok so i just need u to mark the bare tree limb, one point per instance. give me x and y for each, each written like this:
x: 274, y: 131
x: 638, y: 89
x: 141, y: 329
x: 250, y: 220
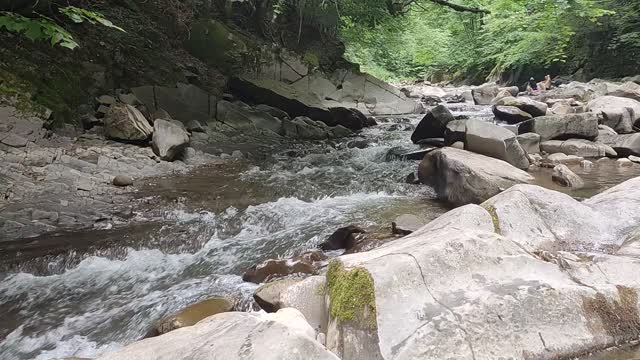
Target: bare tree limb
x: 398, y: 6
x: 460, y: 8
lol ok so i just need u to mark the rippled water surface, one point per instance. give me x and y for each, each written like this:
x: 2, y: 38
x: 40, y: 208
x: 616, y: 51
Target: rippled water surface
x: 191, y: 237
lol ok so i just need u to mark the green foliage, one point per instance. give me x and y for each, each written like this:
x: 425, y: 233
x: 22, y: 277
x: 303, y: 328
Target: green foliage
x: 78, y: 15
x: 437, y: 43
x: 38, y: 29
x: 42, y: 28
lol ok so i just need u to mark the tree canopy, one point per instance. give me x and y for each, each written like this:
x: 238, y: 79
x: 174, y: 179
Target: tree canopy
x: 488, y: 39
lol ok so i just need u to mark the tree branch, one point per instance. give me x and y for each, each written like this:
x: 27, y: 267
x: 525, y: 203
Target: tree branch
x: 460, y: 8
x: 395, y: 4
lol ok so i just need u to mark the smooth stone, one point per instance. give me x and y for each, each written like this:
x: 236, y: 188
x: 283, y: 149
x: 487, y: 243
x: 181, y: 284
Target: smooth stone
x: 406, y: 224
x: 565, y: 177
x: 191, y: 315
x: 122, y: 180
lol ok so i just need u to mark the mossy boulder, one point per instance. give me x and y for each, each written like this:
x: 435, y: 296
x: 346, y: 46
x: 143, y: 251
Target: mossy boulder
x: 352, y: 295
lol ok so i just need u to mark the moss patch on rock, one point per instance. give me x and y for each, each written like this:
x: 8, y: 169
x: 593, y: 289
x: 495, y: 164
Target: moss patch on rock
x: 494, y: 218
x: 352, y: 295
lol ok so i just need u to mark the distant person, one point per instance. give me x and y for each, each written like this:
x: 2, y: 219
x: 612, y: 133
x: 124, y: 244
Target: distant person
x: 532, y: 87
x: 546, y: 84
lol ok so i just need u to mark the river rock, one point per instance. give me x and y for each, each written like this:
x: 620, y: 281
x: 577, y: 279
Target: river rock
x: 268, y: 295
x: 169, y: 139
x: 190, y: 315
x: 274, y: 268
x: 579, y: 147
x: 635, y: 159
x: 455, y: 131
x: 343, y: 238
x: 433, y: 124
x: 241, y: 117
x: 624, y: 162
x: 605, y: 130
x: 107, y: 100
x: 275, y: 112
x: 462, y: 177
x: 624, y: 145
x: 501, y: 95
x: 484, y: 94
x: 500, y: 259
x: 560, y: 158
x: 122, y: 180
x: 125, y: 122
x: 511, y: 114
x: 350, y: 118
x: 495, y: 141
x: 195, y: 126
x: 629, y: 90
x: 406, y: 224
x: 284, y: 335
x: 565, y: 177
x: 529, y: 106
x: 619, y: 113
x: 530, y: 142
x: 305, y: 129
x: 308, y: 297
x: 562, y: 127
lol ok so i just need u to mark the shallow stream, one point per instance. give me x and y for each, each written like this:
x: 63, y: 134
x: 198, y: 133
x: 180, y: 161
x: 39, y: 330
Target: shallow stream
x: 191, y: 237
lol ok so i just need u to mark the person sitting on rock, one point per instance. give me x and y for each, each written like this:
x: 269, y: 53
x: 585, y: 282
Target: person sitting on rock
x: 532, y: 87
x: 546, y: 84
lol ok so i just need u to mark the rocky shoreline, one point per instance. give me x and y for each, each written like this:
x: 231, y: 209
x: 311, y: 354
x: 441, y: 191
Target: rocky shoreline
x: 526, y: 273
x: 514, y: 270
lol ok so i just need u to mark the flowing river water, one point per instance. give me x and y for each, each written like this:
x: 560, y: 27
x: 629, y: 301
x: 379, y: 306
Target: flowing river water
x: 191, y: 237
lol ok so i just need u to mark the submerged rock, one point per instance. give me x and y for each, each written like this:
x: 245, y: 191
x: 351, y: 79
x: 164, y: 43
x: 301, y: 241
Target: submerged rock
x: 406, y: 224
x: 275, y: 268
x: 343, y: 238
x: 565, y: 177
x: 462, y: 177
x: 191, y: 315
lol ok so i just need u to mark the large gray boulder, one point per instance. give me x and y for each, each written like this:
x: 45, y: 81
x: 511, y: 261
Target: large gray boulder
x: 624, y: 145
x: 619, y: 113
x: 530, y: 106
x: 304, y: 128
x: 169, y: 139
x: 511, y: 114
x: 284, y: 335
x: 562, y: 127
x: 483, y: 95
x: 629, y: 90
x: 433, y: 124
x: 498, y: 280
x: 496, y: 142
x: 125, y: 122
x: 530, y: 143
x: 579, y: 147
x: 462, y: 177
